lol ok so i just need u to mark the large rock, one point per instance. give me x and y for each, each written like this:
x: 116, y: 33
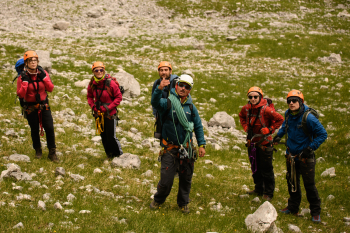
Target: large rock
x: 262, y: 219
x: 222, y: 119
x: 14, y: 171
x: 333, y: 58
x: 329, y: 172
x: 130, y: 84
x: 120, y: 32
x: 44, y: 60
x: 127, y: 160
x: 84, y: 83
x: 19, y: 158
x: 61, y: 25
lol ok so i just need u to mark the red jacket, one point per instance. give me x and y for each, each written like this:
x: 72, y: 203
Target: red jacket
x: 26, y: 90
x: 105, y: 97
x: 270, y: 118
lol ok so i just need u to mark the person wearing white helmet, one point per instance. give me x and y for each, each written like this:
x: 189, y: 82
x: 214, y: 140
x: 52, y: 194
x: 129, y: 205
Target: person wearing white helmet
x: 180, y: 119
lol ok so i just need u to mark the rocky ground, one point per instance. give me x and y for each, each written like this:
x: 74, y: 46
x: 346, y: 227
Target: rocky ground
x: 277, y: 45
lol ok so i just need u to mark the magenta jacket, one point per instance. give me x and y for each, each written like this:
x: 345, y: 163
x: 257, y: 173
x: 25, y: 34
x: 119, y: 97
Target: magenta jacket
x: 26, y: 90
x: 105, y: 97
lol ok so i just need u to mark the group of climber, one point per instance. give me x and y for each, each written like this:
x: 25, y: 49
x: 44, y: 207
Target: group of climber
x: 177, y: 118
x: 304, y: 134
x: 103, y: 94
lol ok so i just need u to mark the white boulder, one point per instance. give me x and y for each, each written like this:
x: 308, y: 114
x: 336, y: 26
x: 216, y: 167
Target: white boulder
x: 222, y: 119
x: 127, y: 160
x: 262, y: 219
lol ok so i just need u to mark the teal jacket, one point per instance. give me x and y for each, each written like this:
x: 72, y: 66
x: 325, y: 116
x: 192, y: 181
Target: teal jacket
x: 168, y: 130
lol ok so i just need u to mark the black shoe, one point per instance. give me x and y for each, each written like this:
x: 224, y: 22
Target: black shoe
x: 185, y: 209
x: 52, y: 155
x: 253, y: 192
x: 154, y: 205
x: 38, y: 153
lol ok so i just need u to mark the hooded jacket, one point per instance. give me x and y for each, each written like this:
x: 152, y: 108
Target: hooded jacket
x: 27, y: 91
x: 112, y: 102
x: 168, y: 130
x: 271, y: 119
x: 297, y: 140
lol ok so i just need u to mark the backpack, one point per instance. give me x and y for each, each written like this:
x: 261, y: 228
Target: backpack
x: 304, y: 123
x: 108, y: 84
x: 158, y: 125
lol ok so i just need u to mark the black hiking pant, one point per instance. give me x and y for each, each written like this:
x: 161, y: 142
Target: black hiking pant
x: 264, y: 178
x: 307, y: 171
x: 110, y: 141
x: 169, y: 166
x: 33, y: 121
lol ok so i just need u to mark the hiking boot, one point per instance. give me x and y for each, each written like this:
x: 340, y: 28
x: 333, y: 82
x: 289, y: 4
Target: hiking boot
x: 267, y: 198
x: 316, y: 218
x: 253, y: 192
x: 38, y: 153
x: 154, y: 205
x: 184, y: 209
x: 287, y: 211
x: 52, y: 155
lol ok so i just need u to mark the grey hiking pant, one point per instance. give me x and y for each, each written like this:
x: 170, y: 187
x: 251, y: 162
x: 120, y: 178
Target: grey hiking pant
x: 169, y: 166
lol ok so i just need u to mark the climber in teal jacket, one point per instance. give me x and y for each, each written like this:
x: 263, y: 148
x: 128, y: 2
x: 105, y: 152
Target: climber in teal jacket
x: 179, y: 119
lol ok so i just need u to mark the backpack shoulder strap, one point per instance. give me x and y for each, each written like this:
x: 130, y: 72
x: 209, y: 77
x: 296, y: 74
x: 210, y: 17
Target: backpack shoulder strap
x: 261, y: 116
x: 191, y: 109
x: 167, y: 111
x: 304, y: 124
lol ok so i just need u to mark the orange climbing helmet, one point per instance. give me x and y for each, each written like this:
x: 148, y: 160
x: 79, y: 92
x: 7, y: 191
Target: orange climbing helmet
x: 165, y: 64
x: 30, y: 54
x: 97, y: 64
x: 256, y: 89
x: 296, y: 93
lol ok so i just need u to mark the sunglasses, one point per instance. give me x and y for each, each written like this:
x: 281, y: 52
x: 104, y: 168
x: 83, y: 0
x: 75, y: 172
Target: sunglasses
x: 33, y: 60
x: 255, y: 97
x: 292, y: 100
x: 98, y: 70
x: 187, y: 87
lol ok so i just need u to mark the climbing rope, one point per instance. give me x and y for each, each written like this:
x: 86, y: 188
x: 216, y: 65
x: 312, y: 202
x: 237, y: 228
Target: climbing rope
x: 100, y: 123
x: 188, y: 126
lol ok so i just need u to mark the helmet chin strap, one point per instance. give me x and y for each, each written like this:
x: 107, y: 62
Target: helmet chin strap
x: 27, y: 68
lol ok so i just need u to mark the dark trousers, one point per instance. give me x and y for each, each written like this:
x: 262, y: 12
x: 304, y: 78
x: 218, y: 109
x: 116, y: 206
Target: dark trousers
x: 307, y: 171
x: 110, y: 141
x: 169, y: 167
x: 33, y: 121
x: 264, y: 178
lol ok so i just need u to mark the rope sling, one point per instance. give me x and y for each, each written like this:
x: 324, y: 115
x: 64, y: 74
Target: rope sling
x: 100, y: 123
x: 188, y: 126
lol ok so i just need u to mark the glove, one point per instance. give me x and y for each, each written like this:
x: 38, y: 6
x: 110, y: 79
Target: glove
x: 276, y: 139
x: 94, y: 109
x: 307, y: 153
x: 24, y: 76
x: 103, y: 109
x: 42, y: 74
x: 265, y: 131
x: 245, y: 128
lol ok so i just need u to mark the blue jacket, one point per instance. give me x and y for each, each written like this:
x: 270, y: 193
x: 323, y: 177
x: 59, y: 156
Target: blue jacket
x: 297, y: 139
x: 168, y: 130
x: 165, y: 90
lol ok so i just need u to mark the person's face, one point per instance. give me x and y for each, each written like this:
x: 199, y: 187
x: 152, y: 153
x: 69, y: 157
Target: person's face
x: 99, y: 72
x: 32, y: 63
x: 183, y: 89
x: 254, y: 97
x: 164, y: 72
x: 293, y: 104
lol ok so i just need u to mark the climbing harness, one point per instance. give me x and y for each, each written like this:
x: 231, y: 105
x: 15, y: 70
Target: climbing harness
x: 100, y: 123
x: 188, y: 126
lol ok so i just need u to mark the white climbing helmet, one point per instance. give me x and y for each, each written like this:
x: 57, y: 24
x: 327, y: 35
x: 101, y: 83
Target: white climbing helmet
x: 187, y: 79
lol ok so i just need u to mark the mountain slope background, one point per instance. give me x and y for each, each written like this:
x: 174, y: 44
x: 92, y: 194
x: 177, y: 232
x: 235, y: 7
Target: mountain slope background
x: 229, y: 46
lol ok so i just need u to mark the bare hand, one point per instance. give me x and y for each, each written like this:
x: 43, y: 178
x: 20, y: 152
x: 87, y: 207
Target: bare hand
x: 163, y: 83
x: 201, y: 152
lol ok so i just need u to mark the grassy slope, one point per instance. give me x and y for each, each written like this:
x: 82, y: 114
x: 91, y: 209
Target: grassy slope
x: 227, y: 184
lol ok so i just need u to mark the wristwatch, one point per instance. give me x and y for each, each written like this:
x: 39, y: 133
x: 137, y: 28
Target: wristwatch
x: 203, y: 146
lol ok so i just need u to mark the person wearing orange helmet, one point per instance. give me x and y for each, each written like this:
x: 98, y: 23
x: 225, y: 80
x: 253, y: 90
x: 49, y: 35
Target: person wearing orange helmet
x: 165, y: 70
x: 259, y: 120
x: 304, y: 134
x: 104, y: 95
x: 32, y: 85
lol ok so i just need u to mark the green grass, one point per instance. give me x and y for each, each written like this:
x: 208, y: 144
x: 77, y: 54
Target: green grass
x: 218, y: 74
